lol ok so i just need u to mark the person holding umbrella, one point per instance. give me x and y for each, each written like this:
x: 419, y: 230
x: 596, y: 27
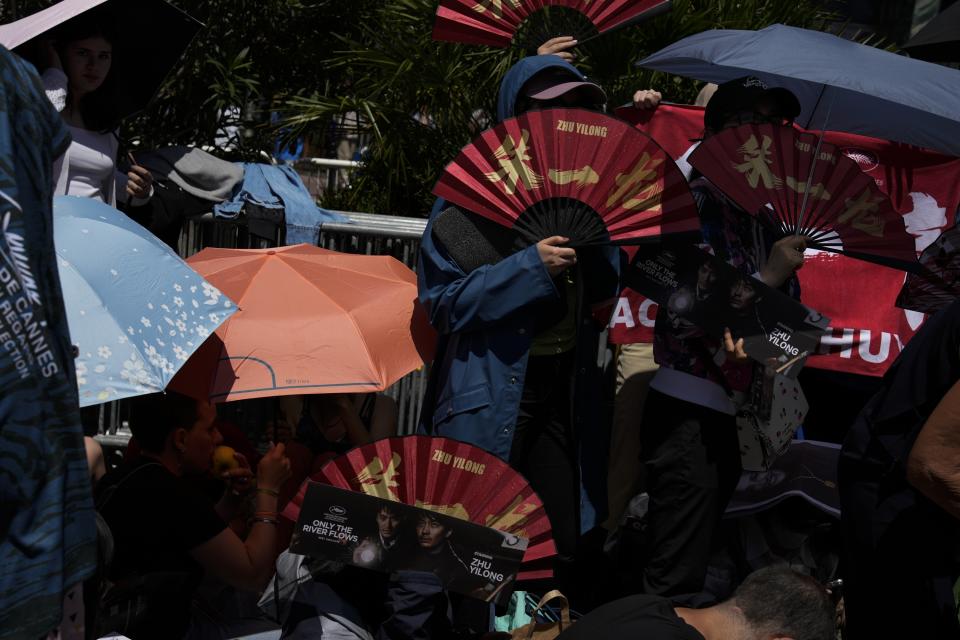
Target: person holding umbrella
x: 78, y: 61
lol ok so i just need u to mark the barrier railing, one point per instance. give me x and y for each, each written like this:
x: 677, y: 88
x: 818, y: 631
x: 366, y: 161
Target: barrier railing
x: 375, y: 234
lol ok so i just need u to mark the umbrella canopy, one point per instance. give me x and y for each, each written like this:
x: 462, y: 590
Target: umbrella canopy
x: 311, y: 321
x: 939, y: 40
x: 151, y: 37
x: 136, y: 311
x: 841, y: 85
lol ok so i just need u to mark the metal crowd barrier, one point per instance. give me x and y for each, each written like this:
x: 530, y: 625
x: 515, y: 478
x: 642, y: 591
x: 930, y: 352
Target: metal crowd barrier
x: 375, y: 234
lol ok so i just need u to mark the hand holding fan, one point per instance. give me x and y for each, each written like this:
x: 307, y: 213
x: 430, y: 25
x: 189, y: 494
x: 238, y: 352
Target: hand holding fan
x: 497, y: 22
x: 574, y: 173
x: 450, y: 477
x: 770, y: 171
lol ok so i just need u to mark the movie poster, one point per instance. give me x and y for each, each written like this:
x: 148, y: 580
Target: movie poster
x: 365, y: 531
x: 693, y: 287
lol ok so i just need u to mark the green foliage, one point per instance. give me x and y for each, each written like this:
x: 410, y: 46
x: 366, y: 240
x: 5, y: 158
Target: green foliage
x: 313, y: 60
x: 397, y: 70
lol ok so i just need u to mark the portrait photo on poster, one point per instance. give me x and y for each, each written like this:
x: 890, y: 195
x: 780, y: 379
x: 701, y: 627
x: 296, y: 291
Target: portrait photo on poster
x: 383, y: 535
x: 698, y: 290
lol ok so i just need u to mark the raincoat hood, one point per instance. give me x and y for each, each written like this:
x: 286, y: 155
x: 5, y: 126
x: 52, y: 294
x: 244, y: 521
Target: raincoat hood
x: 520, y: 73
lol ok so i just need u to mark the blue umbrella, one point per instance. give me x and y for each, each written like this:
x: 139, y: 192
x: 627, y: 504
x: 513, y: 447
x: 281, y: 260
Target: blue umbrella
x: 136, y: 311
x: 841, y: 85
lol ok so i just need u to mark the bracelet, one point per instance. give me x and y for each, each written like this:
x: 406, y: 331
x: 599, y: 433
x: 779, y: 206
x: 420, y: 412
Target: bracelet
x: 265, y: 514
x: 269, y: 492
x: 272, y: 521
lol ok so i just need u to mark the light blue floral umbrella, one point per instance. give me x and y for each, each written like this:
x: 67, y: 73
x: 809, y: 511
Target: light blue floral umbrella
x: 136, y: 311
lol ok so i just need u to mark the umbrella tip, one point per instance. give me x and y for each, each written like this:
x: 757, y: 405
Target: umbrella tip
x: 271, y: 252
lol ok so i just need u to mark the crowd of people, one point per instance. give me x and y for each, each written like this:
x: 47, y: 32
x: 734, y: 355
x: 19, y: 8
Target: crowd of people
x: 522, y: 371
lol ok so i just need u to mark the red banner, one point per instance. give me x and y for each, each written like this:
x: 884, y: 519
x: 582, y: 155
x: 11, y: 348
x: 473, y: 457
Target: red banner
x: 867, y: 330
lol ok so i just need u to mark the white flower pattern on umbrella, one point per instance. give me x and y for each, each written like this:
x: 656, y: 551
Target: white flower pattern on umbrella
x: 136, y: 334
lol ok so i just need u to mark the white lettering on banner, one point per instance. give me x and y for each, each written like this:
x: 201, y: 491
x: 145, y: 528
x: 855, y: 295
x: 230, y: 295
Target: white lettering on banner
x: 864, y: 348
x: 623, y: 314
x: 862, y: 339
x: 828, y: 342
x: 647, y: 313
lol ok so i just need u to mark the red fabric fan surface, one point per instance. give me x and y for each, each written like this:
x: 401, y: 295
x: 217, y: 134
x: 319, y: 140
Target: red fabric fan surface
x: 450, y: 477
x: 581, y: 174
x: 495, y: 22
x: 766, y: 169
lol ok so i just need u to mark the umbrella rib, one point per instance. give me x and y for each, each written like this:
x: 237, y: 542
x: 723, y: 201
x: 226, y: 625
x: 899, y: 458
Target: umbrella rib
x: 207, y: 276
x: 337, y: 305
x: 364, y: 273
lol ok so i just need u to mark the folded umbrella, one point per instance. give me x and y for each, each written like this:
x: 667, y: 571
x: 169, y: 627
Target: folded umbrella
x: 311, y: 321
x: 136, y: 311
x: 841, y: 85
x: 151, y: 37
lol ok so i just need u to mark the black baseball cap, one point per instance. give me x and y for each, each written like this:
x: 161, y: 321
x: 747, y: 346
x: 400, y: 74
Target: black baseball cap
x: 743, y: 94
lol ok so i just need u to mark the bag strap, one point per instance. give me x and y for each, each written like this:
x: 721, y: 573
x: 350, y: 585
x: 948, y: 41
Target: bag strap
x: 564, y: 611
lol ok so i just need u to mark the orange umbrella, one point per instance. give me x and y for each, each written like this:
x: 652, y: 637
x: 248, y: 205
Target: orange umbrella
x: 310, y: 321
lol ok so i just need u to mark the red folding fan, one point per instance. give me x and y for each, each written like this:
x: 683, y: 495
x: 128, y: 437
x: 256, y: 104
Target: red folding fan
x: 570, y: 172
x: 769, y: 170
x: 450, y: 477
x: 937, y: 283
x: 497, y: 22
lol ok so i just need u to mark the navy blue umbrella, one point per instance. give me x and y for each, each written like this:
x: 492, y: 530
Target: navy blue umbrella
x: 841, y: 85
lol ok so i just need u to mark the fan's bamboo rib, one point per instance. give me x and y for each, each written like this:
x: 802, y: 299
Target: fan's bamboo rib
x: 816, y: 153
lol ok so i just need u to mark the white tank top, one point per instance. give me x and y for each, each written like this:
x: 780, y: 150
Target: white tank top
x: 91, y: 166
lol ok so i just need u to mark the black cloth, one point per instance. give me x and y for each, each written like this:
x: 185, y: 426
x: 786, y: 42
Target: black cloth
x: 691, y: 460
x: 543, y: 451
x: 445, y: 563
x: 902, y: 551
x: 156, y: 518
x: 402, y: 606
x: 642, y: 617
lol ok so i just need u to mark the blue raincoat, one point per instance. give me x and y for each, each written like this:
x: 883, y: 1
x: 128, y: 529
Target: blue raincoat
x: 487, y: 319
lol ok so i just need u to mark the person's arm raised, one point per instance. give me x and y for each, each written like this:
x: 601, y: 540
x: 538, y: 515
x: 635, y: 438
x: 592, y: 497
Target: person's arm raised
x: 248, y: 564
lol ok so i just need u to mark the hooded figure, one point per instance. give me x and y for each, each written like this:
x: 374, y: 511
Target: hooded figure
x: 488, y: 320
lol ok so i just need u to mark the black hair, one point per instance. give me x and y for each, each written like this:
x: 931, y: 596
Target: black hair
x: 390, y: 508
x: 99, y: 108
x: 155, y: 416
x: 780, y: 601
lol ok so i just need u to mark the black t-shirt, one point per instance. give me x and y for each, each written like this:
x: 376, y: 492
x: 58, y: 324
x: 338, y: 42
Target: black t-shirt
x: 647, y: 617
x: 156, y: 518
